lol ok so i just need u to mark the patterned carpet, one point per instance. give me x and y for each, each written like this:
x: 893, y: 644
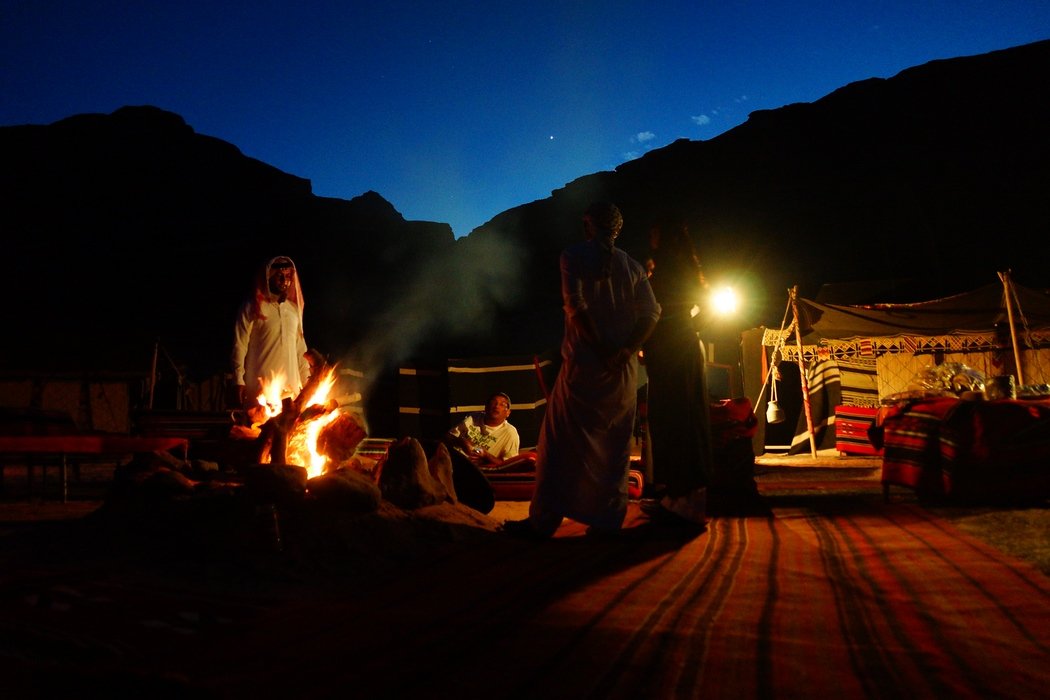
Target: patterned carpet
x: 820, y: 589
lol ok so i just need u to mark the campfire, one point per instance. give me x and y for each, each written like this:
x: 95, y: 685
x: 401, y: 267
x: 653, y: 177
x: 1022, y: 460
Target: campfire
x: 305, y: 475
x: 310, y: 430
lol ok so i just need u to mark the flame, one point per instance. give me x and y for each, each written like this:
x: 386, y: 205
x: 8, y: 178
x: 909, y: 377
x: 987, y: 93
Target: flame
x: 273, y: 390
x: 302, y: 442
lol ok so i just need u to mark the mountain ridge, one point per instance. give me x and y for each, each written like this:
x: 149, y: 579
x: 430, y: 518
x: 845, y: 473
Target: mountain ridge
x: 132, y: 228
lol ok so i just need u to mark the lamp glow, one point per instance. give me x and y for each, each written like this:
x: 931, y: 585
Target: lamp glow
x: 724, y: 301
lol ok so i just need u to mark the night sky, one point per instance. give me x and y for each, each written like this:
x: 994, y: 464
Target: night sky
x: 455, y: 111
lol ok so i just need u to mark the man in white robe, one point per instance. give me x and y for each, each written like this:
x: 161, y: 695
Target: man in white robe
x: 583, y: 455
x: 268, y: 340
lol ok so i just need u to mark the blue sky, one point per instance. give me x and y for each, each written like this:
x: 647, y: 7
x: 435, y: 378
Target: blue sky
x: 455, y: 111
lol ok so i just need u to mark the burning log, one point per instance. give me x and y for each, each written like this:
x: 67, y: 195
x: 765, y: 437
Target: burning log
x: 319, y: 370
x: 310, y: 430
x: 273, y: 435
x: 339, y: 439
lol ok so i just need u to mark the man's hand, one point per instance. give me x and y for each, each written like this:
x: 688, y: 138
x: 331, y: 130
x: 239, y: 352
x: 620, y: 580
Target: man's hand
x: 621, y: 357
x: 464, y: 445
x: 481, y: 456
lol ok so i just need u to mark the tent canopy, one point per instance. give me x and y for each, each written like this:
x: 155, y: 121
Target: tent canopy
x: 841, y: 344
x: 980, y: 310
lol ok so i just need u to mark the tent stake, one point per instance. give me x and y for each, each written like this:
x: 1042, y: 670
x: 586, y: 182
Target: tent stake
x: 802, y: 373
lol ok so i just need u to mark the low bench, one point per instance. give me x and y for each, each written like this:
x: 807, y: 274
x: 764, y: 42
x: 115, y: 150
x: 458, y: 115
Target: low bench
x: 32, y: 438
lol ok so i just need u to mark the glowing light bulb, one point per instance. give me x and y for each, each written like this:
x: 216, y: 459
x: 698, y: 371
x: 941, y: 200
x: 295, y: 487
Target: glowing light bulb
x: 724, y: 301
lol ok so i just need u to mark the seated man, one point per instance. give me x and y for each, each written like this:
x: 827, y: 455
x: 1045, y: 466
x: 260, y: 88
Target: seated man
x: 487, y: 439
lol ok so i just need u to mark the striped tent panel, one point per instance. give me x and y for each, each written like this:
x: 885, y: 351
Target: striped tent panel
x: 860, y: 381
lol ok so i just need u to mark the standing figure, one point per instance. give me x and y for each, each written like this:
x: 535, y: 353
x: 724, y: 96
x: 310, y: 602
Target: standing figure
x: 268, y: 340
x: 678, y: 403
x: 583, y: 455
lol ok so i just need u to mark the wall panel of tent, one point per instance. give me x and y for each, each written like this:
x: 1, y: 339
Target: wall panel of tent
x: 863, y: 356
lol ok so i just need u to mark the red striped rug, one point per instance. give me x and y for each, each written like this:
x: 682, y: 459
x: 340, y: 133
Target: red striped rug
x: 811, y: 602
x: 825, y: 597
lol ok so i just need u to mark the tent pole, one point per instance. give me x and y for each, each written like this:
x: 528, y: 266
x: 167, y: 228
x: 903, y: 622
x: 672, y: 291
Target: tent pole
x: 802, y: 373
x: 153, y: 374
x: 1008, y: 293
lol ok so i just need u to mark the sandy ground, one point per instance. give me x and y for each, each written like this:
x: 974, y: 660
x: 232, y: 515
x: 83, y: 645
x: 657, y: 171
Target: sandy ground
x: 823, y: 458
x: 509, y: 510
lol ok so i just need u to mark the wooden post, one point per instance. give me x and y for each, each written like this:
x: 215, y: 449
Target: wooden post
x: 153, y: 374
x: 1008, y: 294
x: 802, y: 373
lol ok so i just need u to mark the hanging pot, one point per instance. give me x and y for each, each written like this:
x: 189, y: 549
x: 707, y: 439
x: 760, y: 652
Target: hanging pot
x: 774, y: 413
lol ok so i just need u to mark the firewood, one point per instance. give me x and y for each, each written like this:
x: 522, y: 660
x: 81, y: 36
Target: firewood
x: 339, y: 439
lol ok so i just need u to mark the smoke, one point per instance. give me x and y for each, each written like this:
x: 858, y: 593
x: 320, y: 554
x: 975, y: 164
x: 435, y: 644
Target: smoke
x: 455, y: 295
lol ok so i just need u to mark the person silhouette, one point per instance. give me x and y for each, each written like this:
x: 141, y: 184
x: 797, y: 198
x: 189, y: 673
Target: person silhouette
x: 583, y: 455
x: 268, y: 338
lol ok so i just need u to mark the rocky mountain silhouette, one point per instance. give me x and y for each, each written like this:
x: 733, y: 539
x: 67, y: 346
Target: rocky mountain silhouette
x: 130, y: 228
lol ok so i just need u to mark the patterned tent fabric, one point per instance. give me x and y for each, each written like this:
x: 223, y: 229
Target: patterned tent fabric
x: 825, y: 393
x: 968, y: 322
x: 863, y: 355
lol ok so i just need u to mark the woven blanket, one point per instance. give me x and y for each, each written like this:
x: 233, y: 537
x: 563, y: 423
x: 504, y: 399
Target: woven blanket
x: 967, y: 450
x: 879, y: 603
x: 824, y: 597
x: 910, y: 437
x: 997, y: 449
x: 852, y: 425
x: 825, y: 392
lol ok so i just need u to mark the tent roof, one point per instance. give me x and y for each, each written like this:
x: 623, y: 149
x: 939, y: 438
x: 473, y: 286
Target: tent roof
x: 977, y: 311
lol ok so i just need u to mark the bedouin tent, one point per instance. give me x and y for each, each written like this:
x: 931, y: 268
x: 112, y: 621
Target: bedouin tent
x: 858, y: 355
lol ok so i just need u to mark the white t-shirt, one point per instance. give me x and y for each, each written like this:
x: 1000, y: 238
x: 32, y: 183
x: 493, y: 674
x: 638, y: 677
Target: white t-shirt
x: 501, y: 441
